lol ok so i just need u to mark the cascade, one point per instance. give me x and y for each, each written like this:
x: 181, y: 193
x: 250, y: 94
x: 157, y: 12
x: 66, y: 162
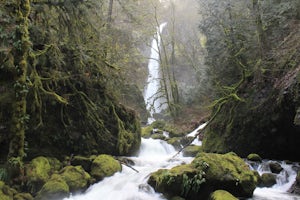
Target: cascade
x: 153, y: 96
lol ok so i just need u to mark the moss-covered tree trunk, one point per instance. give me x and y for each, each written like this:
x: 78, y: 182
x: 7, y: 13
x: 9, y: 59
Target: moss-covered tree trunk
x: 20, y: 53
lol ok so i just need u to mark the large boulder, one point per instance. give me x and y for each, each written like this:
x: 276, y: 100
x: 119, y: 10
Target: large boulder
x: 37, y: 173
x: 267, y: 180
x: 208, y: 172
x: 275, y: 167
x: 76, y: 178
x: 103, y: 166
x: 53, y: 189
x: 191, y: 151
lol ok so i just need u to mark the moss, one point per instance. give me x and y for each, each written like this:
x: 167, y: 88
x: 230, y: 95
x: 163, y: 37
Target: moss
x: 37, y: 173
x: 23, y: 196
x: 267, y: 180
x: 158, y: 136
x: 103, y: 166
x: 83, y: 161
x: 55, y: 188
x: 6, y: 193
x: 75, y: 177
x: 222, y: 195
x: 146, y: 131
x: 254, y: 157
x: 230, y: 171
x: 191, y: 151
x: 175, y: 142
x: 54, y: 163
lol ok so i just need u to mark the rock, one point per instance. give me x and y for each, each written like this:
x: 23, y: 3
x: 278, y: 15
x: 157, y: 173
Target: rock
x: 76, y: 178
x: 23, y: 196
x: 55, y: 164
x: 159, y: 136
x: 267, y: 180
x: 55, y: 188
x: 275, y: 167
x: 295, y: 188
x: 254, y: 157
x: 85, y: 162
x: 146, y: 131
x: 222, y: 195
x: 6, y: 193
x: 208, y: 172
x: 103, y: 166
x: 37, y: 172
x: 191, y: 151
x: 175, y: 142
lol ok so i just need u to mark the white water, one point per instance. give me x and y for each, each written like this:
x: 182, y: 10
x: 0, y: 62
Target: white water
x: 129, y: 185
x: 284, y: 180
x: 155, y: 102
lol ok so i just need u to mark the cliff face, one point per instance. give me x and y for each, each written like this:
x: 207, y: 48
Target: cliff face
x: 267, y: 121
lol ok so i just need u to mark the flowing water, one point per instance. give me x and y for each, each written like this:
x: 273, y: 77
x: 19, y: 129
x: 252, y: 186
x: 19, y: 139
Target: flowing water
x: 157, y: 154
x: 153, y: 96
x: 130, y: 185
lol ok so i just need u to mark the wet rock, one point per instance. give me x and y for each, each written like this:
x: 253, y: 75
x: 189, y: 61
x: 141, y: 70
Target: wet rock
x: 275, y: 167
x: 295, y: 189
x: 191, y: 151
x: 222, y: 195
x: 267, y: 180
x: 103, y: 166
x: 55, y: 188
x: 76, y: 178
x: 254, y: 157
x: 208, y: 172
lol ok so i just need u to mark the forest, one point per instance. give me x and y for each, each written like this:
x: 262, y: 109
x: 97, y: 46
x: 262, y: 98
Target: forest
x: 170, y: 99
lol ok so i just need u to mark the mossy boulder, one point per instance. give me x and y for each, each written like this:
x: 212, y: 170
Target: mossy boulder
x: 53, y: 189
x: 254, y: 157
x: 267, y: 180
x: 191, y: 151
x: 55, y: 164
x: 23, y: 196
x: 76, y: 178
x: 175, y: 142
x: 207, y: 172
x: 222, y: 195
x: 103, y: 166
x: 6, y: 193
x: 37, y: 172
x: 275, y: 167
x: 159, y: 136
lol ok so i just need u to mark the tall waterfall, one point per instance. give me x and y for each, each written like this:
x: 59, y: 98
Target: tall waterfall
x: 153, y: 96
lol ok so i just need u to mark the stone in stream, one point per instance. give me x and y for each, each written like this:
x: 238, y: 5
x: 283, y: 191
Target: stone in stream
x: 267, y: 180
x: 207, y: 172
x: 275, y: 167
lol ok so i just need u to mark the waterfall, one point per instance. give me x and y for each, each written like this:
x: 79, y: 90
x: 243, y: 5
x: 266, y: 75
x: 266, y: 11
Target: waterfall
x: 153, y: 96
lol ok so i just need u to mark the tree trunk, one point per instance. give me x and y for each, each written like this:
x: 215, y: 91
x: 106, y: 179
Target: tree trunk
x: 21, y: 51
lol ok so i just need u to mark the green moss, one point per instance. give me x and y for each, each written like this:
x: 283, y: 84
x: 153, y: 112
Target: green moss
x: 23, y: 196
x: 267, y: 180
x: 55, y: 188
x: 192, y: 150
x: 37, y: 173
x: 54, y: 163
x: 158, y: 136
x: 83, y: 161
x: 103, y: 166
x: 75, y: 177
x: 6, y: 193
x: 230, y: 171
x: 222, y: 195
x: 146, y: 131
x: 175, y: 142
x: 254, y: 157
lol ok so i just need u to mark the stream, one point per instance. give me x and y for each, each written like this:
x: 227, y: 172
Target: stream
x: 157, y: 154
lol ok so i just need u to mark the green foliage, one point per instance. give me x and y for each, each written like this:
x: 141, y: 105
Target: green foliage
x: 3, y: 174
x: 192, y: 184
